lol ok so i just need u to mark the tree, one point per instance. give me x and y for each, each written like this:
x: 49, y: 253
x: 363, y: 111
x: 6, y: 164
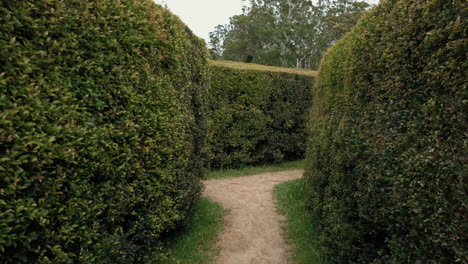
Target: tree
x: 217, y: 38
x: 249, y: 36
x: 288, y: 33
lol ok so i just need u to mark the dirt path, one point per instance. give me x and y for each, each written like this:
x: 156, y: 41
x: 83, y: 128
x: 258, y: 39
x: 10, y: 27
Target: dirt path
x: 252, y: 234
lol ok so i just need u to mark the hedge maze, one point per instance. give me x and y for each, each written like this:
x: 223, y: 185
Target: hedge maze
x: 257, y: 114
x: 104, y: 129
x: 386, y: 166
x: 101, y: 111
x: 111, y: 112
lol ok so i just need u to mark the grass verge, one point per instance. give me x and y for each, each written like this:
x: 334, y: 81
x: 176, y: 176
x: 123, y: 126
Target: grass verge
x: 195, y: 243
x: 229, y: 173
x: 300, y: 229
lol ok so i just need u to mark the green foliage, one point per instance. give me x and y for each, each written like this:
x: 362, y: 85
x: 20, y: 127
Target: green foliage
x: 300, y: 228
x: 293, y: 33
x: 386, y: 162
x: 101, y: 116
x: 256, y: 116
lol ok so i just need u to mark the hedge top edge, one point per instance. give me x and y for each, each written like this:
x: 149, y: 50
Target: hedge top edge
x: 258, y: 67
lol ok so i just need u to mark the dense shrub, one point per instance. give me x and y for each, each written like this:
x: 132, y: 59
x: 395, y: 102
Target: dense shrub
x: 101, y: 116
x: 257, y: 115
x: 386, y: 163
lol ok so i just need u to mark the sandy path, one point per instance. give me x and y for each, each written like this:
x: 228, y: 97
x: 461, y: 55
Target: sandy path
x: 252, y: 234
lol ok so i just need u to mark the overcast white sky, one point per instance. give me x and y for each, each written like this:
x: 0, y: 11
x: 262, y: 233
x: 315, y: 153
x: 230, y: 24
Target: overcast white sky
x: 202, y: 16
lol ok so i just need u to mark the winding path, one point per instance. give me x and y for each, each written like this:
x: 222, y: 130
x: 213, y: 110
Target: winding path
x: 252, y: 234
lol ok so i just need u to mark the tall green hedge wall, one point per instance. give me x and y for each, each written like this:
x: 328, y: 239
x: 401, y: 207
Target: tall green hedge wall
x: 256, y: 116
x: 386, y: 164
x: 101, y: 116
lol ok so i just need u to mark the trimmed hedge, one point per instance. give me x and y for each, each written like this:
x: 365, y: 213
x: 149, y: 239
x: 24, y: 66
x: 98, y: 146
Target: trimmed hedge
x: 386, y: 163
x: 257, y: 114
x: 101, y: 118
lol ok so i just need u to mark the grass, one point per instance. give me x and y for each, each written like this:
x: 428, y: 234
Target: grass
x: 300, y: 229
x: 229, y: 173
x: 195, y: 243
x: 258, y: 67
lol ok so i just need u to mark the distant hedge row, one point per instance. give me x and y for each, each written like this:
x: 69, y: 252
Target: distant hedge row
x: 101, y: 121
x: 386, y: 165
x: 256, y: 115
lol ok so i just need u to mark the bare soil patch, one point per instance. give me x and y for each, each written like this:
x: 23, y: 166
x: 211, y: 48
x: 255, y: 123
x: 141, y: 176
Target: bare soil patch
x: 253, y: 232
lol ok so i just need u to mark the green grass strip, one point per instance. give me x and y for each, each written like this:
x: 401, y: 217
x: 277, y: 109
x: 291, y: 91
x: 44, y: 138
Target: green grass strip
x: 229, y: 173
x: 195, y: 243
x: 300, y: 229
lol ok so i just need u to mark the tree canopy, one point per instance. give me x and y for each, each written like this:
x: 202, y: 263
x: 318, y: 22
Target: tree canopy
x: 287, y: 33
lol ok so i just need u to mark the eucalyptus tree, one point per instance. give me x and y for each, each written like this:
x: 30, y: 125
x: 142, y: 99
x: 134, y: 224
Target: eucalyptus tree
x: 289, y: 33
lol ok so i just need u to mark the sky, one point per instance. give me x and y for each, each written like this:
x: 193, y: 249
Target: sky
x: 202, y: 16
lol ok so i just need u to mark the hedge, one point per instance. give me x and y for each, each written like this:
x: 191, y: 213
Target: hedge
x: 386, y: 160
x: 257, y: 114
x: 101, y: 116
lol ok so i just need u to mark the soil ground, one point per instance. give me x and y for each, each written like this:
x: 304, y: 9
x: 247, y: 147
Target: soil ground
x: 252, y: 234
